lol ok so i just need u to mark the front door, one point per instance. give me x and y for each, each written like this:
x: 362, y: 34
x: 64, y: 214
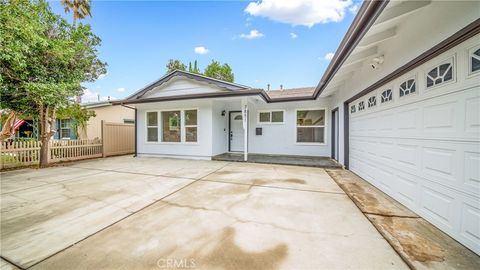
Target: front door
x: 236, y: 132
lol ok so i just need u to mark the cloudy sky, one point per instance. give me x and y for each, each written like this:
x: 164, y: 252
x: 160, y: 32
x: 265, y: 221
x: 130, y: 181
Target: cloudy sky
x: 265, y: 42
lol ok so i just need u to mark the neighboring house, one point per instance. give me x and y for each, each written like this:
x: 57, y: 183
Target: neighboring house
x: 399, y: 105
x: 107, y: 112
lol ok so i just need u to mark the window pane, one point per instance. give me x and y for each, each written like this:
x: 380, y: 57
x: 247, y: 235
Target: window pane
x: 311, y: 118
x: 191, y: 134
x: 264, y: 117
x: 65, y: 133
x: 65, y: 123
x: 310, y: 135
x: 152, y: 119
x: 191, y: 118
x: 152, y: 134
x: 277, y: 117
x: 171, y: 126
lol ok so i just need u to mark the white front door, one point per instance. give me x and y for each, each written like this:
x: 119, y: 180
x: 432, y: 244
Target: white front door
x: 236, y: 132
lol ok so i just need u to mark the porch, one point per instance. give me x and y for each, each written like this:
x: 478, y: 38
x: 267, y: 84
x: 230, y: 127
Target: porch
x: 308, y: 161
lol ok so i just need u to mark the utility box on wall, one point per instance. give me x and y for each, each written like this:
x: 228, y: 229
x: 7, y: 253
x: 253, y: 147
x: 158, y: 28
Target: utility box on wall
x: 258, y: 131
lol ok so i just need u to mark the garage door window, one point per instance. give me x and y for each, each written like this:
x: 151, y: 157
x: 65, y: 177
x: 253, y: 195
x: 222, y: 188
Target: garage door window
x: 475, y: 60
x: 407, y: 88
x: 353, y: 109
x: 440, y: 74
x: 310, y: 126
x: 361, y: 106
x: 386, y: 96
x: 372, y: 101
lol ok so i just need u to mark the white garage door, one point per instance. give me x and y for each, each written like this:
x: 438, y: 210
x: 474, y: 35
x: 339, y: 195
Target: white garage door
x: 422, y: 147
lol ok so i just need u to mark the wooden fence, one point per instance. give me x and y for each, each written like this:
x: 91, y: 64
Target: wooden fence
x: 118, y: 139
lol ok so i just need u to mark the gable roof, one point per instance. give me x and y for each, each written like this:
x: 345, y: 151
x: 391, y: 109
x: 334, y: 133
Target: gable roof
x: 180, y: 73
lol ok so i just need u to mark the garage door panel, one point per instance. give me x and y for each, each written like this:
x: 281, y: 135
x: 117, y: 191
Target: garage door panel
x: 407, y: 189
x: 407, y: 120
x: 440, y: 162
x: 470, y: 227
x: 408, y: 155
x: 472, y: 115
x: 472, y: 170
x: 438, y: 203
x: 439, y: 117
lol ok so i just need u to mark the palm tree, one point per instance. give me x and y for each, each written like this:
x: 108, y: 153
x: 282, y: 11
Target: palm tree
x: 80, y: 9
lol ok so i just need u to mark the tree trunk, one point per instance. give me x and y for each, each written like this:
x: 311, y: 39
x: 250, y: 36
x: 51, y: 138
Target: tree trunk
x: 45, y: 133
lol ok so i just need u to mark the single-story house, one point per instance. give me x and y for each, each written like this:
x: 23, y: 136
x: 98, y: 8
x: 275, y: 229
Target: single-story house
x: 105, y: 111
x: 399, y: 105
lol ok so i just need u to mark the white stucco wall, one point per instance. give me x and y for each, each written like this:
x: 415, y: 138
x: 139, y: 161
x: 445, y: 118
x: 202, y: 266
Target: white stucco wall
x: 280, y: 138
x: 419, y: 32
x: 201, y: 150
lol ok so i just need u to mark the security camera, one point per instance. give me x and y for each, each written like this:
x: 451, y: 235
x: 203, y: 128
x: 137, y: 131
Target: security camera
x: 377, y: 62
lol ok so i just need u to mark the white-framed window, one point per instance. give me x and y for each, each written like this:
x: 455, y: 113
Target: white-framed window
x: 152, y: 126
x: 172, y: 126
x: 271, y: 117
x: 440, y: 74
x: 191, y: 125
x: 386, y: 96
x: 65, y: 129
x: 310, y: 126
x: 407, y: 87
x: 474, y: 60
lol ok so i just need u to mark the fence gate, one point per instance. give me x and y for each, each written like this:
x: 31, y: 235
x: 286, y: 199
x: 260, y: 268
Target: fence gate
x: 118, y: 139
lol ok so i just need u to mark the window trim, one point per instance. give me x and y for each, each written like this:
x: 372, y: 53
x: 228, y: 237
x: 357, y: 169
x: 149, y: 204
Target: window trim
x: 182, y: 127
x: 470, y: 51
x: 270, y: 122
x: 450, y: 59
x: 325, y: 125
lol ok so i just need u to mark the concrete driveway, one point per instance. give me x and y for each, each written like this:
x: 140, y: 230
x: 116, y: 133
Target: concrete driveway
x: 139, y: 213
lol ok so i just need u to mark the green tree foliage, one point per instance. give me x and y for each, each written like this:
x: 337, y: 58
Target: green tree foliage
x: 194, y: 69
x: 175, y: 64
x: 43, y: 60
x: 218, y: 71
x: 79, y: 8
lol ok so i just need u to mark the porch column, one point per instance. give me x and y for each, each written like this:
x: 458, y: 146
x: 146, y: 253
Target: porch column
x: 245, y: 128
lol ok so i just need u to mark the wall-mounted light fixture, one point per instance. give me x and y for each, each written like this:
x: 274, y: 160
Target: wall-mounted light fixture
x: 223, y: 113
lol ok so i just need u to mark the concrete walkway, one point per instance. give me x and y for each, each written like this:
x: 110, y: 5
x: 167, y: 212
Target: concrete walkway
x: 134, y: 213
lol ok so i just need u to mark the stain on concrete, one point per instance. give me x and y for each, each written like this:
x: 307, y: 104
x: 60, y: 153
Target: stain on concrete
x: 296, y: 181
x: 228, y: 255
x: 418, y: 247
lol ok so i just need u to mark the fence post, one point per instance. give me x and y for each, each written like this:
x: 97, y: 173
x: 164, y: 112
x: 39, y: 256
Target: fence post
x: 103, y: 139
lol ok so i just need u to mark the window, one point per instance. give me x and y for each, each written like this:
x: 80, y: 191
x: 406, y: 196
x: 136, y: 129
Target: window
x: 191, y: 125
x: 386, y: 96
x: 152, y: 127
x: 372, y: 101
x: 440, y: 74
x: 475, y: 60
x: 407, y: 87
x: 275, y: 117
x: 171, y: 126
x: 361, y: 106
x: 353, y: 109
x: 310, y: 126
x: 65, y: 128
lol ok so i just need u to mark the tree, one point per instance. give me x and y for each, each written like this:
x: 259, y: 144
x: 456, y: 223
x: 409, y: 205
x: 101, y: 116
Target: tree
x: 218, y: 71
x: 175, y: 64
x: 193, y: 69
x: 79, y: 8
x: 43, y: 61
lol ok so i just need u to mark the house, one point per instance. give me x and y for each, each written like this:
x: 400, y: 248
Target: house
x: 105, y: 111
x: 399, y: 105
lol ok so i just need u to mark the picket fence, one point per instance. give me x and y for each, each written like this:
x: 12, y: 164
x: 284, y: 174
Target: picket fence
x: 16, y: 154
